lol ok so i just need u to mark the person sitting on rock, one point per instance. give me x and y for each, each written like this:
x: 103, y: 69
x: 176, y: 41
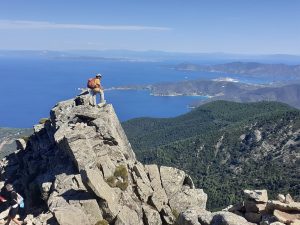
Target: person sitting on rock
x: 14, y: 201
x: 95, y: 87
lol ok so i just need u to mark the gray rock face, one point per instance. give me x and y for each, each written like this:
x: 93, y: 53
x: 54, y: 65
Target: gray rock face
x: 71, y: 164
x: 152, y: 217
x: 180, y: 191
x: 281, y: 198
x: 285, y: 217
x: 159, y: 197
x: 142, y: 182
x: 293, y: 206
x: 228, y: 218
x: 127, y: 216
x: 188, y: 218
x: 254, y: 209
x: 277, y: 223
x: 187, y: 198
x: 288, y: 199
x: 110, y: 196
x: 172, y: 180
x: 195, y: 216
x: 167, y: 215
x: 80, y: 168
x: 70, y: 216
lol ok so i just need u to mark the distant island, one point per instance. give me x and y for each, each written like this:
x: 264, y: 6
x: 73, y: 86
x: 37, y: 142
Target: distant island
x: 245, y: 68
x: 227, y: 88
x: 223, y: 90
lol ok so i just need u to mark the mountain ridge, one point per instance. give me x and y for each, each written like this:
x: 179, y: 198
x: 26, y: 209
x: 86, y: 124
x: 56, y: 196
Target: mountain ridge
x: 78, y: 167
x: 225, y: 139
x: 224, y: 90
x: 246, y: 68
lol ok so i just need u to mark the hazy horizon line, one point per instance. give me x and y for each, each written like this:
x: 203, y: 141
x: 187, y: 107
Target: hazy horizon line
x: 149, y: 50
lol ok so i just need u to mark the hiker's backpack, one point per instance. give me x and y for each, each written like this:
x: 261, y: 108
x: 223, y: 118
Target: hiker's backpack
x: 91, y: 83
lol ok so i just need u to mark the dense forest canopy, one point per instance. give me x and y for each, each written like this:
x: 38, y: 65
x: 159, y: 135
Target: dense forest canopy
x: 226, y: 147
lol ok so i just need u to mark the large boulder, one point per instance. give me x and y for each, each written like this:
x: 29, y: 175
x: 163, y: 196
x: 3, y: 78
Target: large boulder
x: 180, y: 190
x: 127, y: 216
x: 94, y: 179
x: 172, y: 180
x: 228, y: 218
x: 285, y: 217
x: 142, y: 186
x: 159, y: 197
x: 142, y: 182
x: 188, y: 198
x: 91, y: 209
x: 260, y: 196
x: 151, y: 216
x: 167, y: 215
x: 76, y: 142
x: 70, y: 216
x: 288, y: 199
x: 293, y: 206
x: 195, y: 216
x: 189, y: 217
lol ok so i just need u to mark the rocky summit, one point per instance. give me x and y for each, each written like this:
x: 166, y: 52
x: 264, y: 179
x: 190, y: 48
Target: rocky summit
x: 79, y: 168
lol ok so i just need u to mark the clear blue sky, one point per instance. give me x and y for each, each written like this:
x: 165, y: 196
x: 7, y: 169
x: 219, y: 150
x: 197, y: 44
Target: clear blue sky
x: 232, y: 26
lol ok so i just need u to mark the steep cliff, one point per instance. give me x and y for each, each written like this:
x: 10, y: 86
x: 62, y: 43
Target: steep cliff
x: 79, y: 168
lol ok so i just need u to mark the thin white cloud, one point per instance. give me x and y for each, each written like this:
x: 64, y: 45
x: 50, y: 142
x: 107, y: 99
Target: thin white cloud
x: 23, y: 24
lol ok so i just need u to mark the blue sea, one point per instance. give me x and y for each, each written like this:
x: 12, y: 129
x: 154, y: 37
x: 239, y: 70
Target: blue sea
x: 30, y: 87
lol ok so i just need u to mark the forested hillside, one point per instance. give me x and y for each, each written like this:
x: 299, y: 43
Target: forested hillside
x: 226, y: 147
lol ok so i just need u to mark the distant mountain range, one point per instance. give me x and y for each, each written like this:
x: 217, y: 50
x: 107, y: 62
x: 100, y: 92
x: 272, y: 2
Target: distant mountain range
x: 246, y: 68
x: 286, y: 89
x: 154, y: 56
x: 223, y: 89
x: 226, y: 147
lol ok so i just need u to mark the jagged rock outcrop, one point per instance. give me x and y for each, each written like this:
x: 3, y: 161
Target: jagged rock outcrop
x: 255, y: 209
x: 79, y: 168
x: 258, y: 209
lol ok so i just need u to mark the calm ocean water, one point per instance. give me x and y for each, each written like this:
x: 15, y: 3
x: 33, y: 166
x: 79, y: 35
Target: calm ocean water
x: 29, y: 88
